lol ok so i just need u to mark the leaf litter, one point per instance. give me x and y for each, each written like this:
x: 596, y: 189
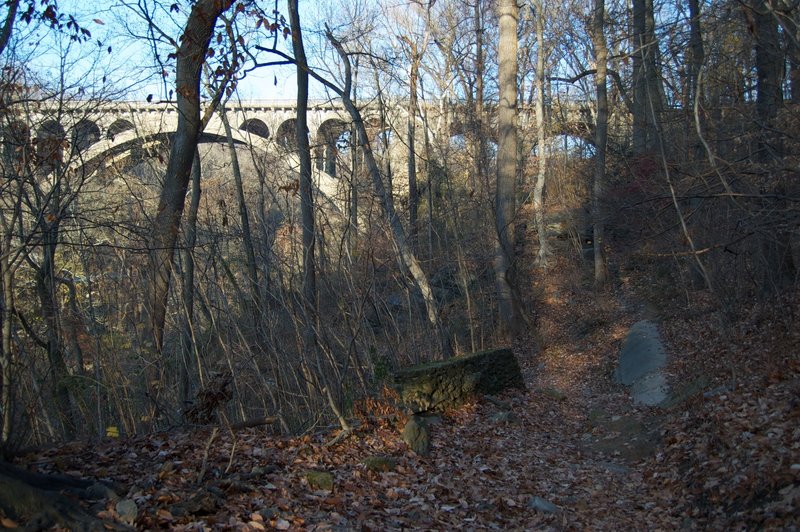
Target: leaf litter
x: 575, y: 454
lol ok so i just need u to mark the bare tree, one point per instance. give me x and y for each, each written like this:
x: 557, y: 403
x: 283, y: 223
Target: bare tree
x: 541, y: 134
x: 508, y: 307
x: 597, y: 30
x: 306, y: 185
x: 190, y: 59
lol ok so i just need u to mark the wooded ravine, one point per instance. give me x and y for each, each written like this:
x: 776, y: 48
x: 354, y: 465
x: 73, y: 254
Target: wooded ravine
x: 477, y: 265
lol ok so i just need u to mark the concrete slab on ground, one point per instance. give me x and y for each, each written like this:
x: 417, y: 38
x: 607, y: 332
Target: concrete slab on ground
x: 641, y: 362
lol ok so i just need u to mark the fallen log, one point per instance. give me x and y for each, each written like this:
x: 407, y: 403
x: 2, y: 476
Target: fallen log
x: 439, y: 385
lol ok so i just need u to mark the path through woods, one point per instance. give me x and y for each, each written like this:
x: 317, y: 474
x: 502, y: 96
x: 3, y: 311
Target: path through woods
x: 570, y: 452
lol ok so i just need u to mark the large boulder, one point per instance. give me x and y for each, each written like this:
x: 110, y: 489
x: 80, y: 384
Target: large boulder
x: 439, y: 385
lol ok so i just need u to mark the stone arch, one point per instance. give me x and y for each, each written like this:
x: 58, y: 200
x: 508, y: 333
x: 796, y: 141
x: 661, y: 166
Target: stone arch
x: 329, y: 142
x: 285, y: 136
x: 118, y: 126
x: 84, y: 134
x: 50, y: 140
x: 256, y: 127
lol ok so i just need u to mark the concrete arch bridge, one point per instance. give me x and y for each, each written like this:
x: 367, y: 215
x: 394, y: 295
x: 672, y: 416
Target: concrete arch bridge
x: 90, y: 136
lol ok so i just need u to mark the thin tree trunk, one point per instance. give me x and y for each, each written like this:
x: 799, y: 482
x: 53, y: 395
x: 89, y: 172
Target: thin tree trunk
x: 306, y: 197
x: 164, y: 233
x: 696, y: 51
x: 244, y: 218
x: 6, y: 357
x: 646, y: 84
x: 509, y: 321
x: 399, y: 237
x: 601, y: 140
x: 189, y: 347
x: 655, y: 90
x: 538, y: 192
x: 413, y: 193
x: 639, y: 88
x: 479, y: 161
x: 694, y: 93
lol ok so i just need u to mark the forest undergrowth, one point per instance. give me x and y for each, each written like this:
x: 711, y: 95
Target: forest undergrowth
x: 570, y: 452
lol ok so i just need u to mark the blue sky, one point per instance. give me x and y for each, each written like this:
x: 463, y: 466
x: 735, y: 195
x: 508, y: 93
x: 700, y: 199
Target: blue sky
x: 131, y: 67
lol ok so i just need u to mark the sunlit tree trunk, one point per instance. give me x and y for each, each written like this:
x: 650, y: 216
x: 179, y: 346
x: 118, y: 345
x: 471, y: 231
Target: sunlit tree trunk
x: 399, y: 237
x: 541, y: 135
x: 164, y: 233
x: 508, y: 309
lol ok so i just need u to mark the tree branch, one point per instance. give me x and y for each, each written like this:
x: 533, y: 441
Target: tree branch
x: 613, y: 73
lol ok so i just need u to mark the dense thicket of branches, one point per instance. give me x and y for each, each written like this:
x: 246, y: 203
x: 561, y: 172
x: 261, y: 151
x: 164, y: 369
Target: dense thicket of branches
x: 695, y: 177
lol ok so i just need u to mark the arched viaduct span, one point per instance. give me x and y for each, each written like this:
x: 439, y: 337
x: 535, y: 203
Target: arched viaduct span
x: 96, y: 134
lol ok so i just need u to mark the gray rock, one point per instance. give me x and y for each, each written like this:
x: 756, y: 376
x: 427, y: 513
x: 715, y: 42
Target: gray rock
x: 611, y: 467
x: 502, y: 418
x: 417, y: 435
x: 651, y: 389
x: 641, y: 354
x: 542, y: 505
x: 380, y: 464
x: 127, y: 511
x: 641, y: 363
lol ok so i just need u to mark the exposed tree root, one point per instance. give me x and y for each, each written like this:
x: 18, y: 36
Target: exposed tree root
x: 43, y: 501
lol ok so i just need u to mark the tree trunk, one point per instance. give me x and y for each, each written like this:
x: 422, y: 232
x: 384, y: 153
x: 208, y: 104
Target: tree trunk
x: 188, y: 281
x: 164, y: 232
x: 7, y: 270
x: 541, y: 134
x: 244, y: 217
x: 646, y: 84
x: 8, y: 24
x: 306, y: 197
x: 600, y: 140
x: 508, y: 318
x: 696, y: 53
x: 47, y: 288
x: 769, y: 70
x: 478, y: 127
x: 402, y: 246
x: 6, y: 356
x: 779, y: 268
x: 413, y: 193
x: 694, y: 93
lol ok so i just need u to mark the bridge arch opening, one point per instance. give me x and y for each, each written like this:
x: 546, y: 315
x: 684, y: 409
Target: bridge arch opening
x: 84, y: 134
x: 285, y: 136
x: 118, y: 127
x: 333, y: 136
x: 256, y: 127
x: 568, y: 145
x: 50, y: 140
